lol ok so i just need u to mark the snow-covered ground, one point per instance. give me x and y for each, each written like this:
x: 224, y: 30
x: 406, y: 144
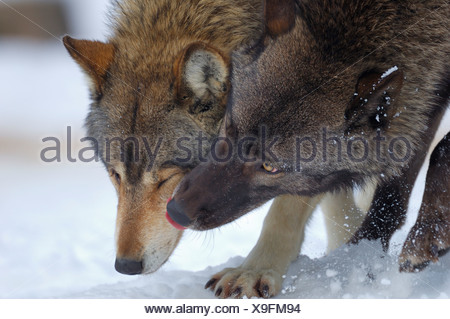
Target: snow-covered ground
x: 349, y: 272
x: 57, y: 220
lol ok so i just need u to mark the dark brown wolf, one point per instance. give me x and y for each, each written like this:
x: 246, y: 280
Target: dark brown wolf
x: 159, y: 81
x: 334, y: 94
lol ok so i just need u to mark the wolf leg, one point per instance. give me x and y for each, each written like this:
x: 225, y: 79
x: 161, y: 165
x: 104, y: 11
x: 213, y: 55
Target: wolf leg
x: 282, y: 235
x: 342, y: 217
x: 430, y: 236
x: 390, y: 203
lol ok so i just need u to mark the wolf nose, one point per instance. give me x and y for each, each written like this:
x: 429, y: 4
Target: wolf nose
x: 128, y: 267
x: 176, y: 216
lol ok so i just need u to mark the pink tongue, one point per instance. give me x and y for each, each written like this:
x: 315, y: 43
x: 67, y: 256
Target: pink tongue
x: 171, y: 221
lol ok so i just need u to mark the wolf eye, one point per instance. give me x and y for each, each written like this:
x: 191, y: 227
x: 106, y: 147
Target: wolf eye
x: 114, y: 175
x: 269, y: 168
x: 160, y: 184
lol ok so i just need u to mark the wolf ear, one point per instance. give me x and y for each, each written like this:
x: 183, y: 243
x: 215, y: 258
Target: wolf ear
x: 279, y: 16
x: 374, y: 100
x: 94, y: 57
x: 202, y: 77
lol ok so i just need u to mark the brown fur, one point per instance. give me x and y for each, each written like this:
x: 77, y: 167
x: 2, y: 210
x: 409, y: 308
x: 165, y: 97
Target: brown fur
x: 280, y: 16
x: 314, y: 78
x: 93, y: 56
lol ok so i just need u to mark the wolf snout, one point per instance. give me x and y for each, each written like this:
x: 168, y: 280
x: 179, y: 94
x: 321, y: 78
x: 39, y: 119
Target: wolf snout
x: 128, y: 266
x: 176, y: 216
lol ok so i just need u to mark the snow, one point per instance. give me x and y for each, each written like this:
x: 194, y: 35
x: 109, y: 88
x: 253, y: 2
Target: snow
x: 362, y: 271
x: 57, y: 220
x: 389, y: 72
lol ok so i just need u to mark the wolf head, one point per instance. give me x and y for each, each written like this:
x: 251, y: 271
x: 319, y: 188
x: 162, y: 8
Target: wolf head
x: 137, y: 119
x: 159, y: 89
x: 328, y: 98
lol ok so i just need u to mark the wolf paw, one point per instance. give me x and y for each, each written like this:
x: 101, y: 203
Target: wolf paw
x: 423, y: 245
x: 241, y: 282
